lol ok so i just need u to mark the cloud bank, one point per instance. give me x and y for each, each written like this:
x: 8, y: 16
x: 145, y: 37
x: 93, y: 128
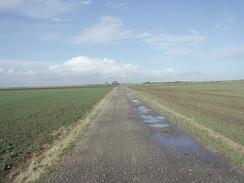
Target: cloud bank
x: 87, y: 70
x: 77, y: 70
x: 103, y: 68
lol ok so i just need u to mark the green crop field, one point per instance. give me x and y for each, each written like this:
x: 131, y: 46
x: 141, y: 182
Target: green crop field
x: 29, y: 118
x: 219, y: 106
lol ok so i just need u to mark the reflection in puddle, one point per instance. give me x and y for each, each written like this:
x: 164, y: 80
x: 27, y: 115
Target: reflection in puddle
x: 161, y: 117
x: 151, y: 119
x: 185, y: 143
x: 136, y: 101
x: 208, y: 156
x: 181, y: 141
x: 143, y: 109
x: 159, y: 125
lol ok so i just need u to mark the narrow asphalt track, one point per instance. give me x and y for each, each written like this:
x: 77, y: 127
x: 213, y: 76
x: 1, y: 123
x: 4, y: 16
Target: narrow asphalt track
x: 130, y: 142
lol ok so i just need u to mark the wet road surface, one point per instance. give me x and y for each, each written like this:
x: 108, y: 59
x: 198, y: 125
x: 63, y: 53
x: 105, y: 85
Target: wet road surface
x: 130, y: 142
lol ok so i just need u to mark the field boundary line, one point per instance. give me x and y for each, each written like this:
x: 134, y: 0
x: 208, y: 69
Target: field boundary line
x: 194, y: 123
x: 39, y: 164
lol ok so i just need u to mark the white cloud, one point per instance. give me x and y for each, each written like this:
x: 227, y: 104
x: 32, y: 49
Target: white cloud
x: 42, y: 8
x: 173, y: 44
x: 91, y: 66
x: 10, y: 71
x: 121, y: 6
x: 78, y: 70
x: 88, y: 70
x: 108, y: 30
x: 105, y: 69
x: 31, y: 72
x: 59, y: 20
x: 8, y: 4
x: 86, y: 2
x: 230, y: 53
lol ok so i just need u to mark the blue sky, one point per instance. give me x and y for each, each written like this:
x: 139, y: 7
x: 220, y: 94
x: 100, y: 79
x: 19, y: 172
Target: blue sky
x: 56, y: 42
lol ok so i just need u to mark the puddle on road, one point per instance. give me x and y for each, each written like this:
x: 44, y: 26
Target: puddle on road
x: 146, y: 115
x: 136, y: 101
x: 161, y: 117
x: 180, y: 141
x: 143, y: 109
x: 172, y: 137
x: 208, y: 156
x: 159, y: 125
x: 184, y: 143
x: 152, y: 119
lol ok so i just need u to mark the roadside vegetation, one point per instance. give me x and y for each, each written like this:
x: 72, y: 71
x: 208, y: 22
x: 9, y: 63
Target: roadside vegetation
x: 212, y: 112
x: 31, y: 119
